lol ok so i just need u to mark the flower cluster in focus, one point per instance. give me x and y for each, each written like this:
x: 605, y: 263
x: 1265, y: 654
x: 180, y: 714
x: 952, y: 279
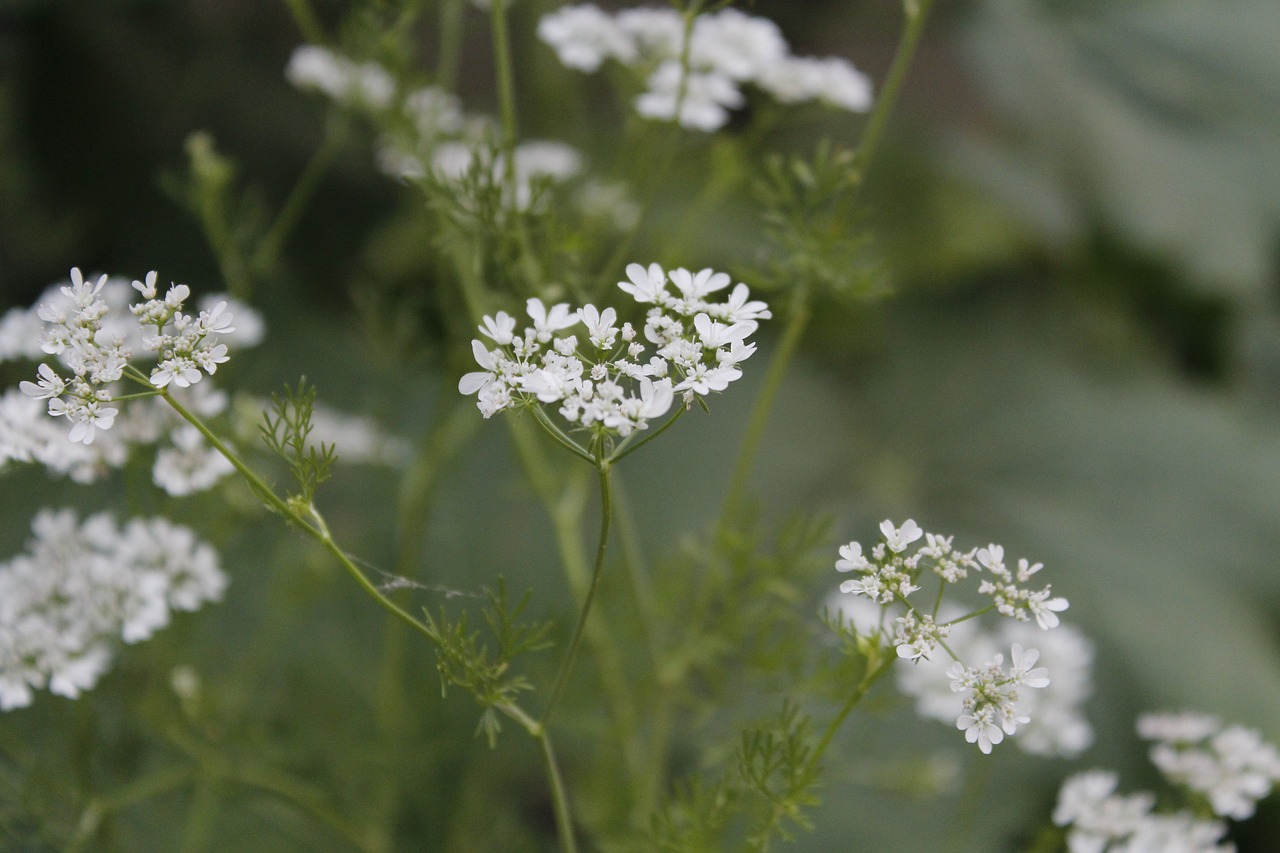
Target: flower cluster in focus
x: 1226, y: 768
x: 81, y: 588
x: 992, y: 692
x: 603, y: 381
x: 725, y: 50
x: 97, y: 347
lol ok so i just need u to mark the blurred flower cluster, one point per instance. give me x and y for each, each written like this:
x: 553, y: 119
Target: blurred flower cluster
x: 83, y: 587
x: 694, y: 69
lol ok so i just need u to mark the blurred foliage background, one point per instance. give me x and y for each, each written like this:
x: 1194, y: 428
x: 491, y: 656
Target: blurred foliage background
x: 1077, y: 213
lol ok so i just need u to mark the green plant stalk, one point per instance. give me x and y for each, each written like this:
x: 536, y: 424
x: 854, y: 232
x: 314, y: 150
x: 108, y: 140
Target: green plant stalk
x: 307, y: 799
x: 799, y: 314
x: 559, y: 794
x: 507, y: 110
x: 563, y: 500
x: 305, y: 18
x: 872, y: 675
x: 916, y: 13
x: 202, y: 815
x: 315, y: 527
x: 566, y: 664
x: 295, y: 203
x: 450, y: 44
x: 160, y: 782
x: 414, y: 500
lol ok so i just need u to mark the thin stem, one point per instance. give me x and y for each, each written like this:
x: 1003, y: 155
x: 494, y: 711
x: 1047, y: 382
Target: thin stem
x: 314, y: 526
x: 917, y: 12
x: 287, y: 217
x: 872, y: 675
x: 797, y: 323
x: 627, y: 449
x: 506, y: 79
x: 305, y: 18
x: 450, y: 44
x: 567, y: 663
x: 559, y: 435
x: 559, y: 793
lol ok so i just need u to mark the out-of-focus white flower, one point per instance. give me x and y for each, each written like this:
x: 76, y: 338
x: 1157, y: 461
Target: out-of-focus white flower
x: 1098, y: 820
x: 81, y: 589
x: 698, y: 87
x: 584, y: 36
x: 352, y: 83
x: 1231, y: 767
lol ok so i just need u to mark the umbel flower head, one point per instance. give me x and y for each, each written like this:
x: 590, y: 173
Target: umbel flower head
x: 699, y: 83
x: 81, y: 589
x: 604, y: 382
x: 99, y: 347
x: 992, y: 693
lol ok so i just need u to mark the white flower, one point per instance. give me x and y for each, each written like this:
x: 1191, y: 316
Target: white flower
x: 472, y: 383
x: 546, y: 323
x: 736, y: 45
x: 1232, y: 767
x: 609, y: 388
x: 981, y: 727
x: 499, y: 328
x: 645, y: 285
x: 345, y: 81
x: 584, y: 36
x: 49, y: 385
x: 600, y: 325
x: 851, y: 559
x: 833, y: 81
x: 703, y: 99
x: 739, y: 308
x: 898, y: 538
x: 190, y: 465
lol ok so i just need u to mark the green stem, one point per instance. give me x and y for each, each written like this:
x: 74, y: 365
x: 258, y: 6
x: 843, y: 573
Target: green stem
x: 797, y: 322
x: 917, y: 12
x: 306, y: 20
x: 314, y: 526
x: 872, y: 675
x: 450, y: 44
x: 506, y: 79
x: 606, y: 516
x: 202, y: 815
x: 287, y: 218
x: 559, y: 793
x: 627, y: 449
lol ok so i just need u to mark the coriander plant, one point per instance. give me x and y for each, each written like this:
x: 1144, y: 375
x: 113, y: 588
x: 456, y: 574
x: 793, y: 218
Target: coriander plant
x: 568, y: 325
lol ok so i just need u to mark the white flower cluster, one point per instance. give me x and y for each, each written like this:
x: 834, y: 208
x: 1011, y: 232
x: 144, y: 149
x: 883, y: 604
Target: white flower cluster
x: 1228, y: 768
x: 319, y: 69
x: 425, y: 131
x: 97, y: 353
x: 1057, y: 724
x: 1231, y: 767
x: 80, y: 589
x: 726, y: 50
x: 602, y: 383
x: 991, y: 701
x: 95, y: 333
x: 1102, y: 821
